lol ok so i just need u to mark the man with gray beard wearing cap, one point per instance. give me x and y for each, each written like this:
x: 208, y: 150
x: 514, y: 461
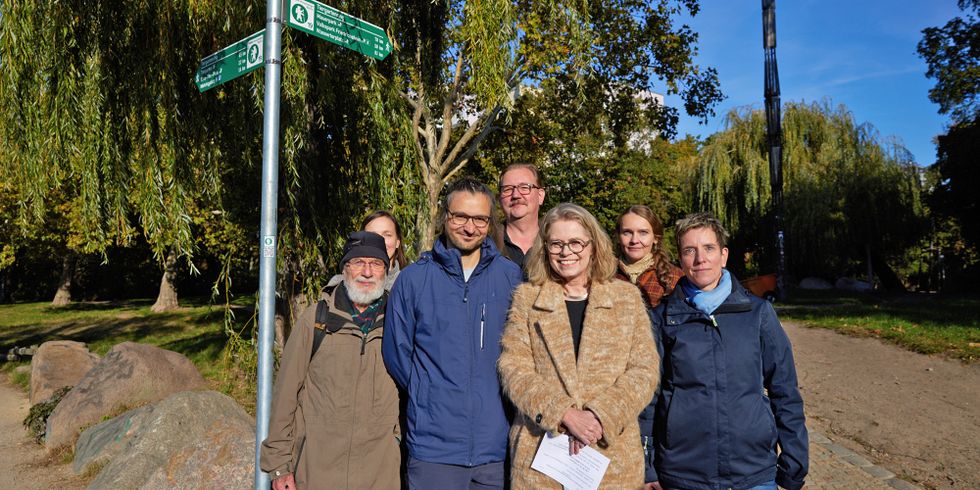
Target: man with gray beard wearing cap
x: 334, y: 421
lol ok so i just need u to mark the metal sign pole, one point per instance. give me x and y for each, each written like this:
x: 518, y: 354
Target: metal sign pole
x: 267, y: 230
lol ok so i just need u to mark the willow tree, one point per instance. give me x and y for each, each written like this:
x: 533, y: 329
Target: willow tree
x: 98, y: 102
x: 850, y: 195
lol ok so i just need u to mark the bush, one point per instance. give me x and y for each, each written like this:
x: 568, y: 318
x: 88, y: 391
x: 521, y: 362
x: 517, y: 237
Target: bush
x: 37, y: 418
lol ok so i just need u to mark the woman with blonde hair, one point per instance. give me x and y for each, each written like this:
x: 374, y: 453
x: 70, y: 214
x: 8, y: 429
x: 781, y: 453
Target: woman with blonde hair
x: 577, y: 353
x: 644, y: 260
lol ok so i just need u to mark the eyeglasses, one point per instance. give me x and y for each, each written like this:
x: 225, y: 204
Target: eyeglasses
x: 524, y: 189
x: 460, y: 219
x: 358, y: 265
x: 575, y: 246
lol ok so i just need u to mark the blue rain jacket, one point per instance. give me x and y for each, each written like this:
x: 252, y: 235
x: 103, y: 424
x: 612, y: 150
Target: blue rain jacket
x: 728, y: 397
x: 441, y: 344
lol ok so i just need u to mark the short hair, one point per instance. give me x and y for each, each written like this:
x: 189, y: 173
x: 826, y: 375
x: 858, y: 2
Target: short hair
x: 700, y: 220
x: 472, y: 186
x: 514, y: 166
x: 399, y: 257
x: 603, y: 264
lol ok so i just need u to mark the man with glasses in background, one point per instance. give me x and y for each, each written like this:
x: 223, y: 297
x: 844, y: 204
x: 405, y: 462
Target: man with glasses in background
x: 521, y: 196
x: 443, y: 326
x: 334, y: 421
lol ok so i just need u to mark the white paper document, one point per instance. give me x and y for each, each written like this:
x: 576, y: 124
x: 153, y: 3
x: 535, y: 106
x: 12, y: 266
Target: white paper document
x: 582, y: 471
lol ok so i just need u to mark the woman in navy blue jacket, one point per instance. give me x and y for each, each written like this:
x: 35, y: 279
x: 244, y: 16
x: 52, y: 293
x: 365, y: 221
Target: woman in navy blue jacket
x: 729, y: 391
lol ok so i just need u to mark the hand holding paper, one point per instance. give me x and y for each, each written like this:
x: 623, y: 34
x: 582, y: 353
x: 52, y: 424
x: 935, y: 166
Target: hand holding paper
x: 583, y: 471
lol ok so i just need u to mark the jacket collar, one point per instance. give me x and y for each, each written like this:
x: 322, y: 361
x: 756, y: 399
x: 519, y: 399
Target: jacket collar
x: 554, y: 327
x: 339, y: 307
x: 451, y: 260
x: 738, y: 301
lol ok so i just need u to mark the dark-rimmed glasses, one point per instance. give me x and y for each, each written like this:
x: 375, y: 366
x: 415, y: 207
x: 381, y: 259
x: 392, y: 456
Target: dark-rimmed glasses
x: 460, y: 219
x: 523, y: 189
x: 575, y: 246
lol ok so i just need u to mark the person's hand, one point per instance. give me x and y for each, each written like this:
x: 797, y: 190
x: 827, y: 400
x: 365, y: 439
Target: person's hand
x: 583, y: 425
x: 285, y: 482
x: 654, y: 485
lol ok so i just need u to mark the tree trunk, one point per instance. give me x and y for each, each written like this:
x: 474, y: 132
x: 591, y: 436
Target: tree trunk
x: 433, y: 188
x: 63, y: 296
x: 167, y: 298
x: 871, y: 270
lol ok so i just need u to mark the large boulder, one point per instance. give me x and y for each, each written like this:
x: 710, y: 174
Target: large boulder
x: 224, y: 457
x: 179, y: 440
x: 815, y: 283
x: 57, y: 364
x: 855, y: 285
x: 99, y: 444
x: 130, y: 375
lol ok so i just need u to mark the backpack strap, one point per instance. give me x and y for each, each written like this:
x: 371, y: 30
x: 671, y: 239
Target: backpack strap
x: 319, y: 325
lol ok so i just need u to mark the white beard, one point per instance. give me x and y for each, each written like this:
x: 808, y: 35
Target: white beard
x: 361, y: 297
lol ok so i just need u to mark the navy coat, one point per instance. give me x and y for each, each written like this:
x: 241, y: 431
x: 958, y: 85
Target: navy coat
x: 728, y: 397
x: 441, y: 345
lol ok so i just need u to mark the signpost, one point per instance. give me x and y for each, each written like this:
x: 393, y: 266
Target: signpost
x: 340, y: 28
x: 230, y: 63
x: 264, y: 48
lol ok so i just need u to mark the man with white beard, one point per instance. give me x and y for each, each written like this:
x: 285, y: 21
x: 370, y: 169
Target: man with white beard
x: 334, y: 421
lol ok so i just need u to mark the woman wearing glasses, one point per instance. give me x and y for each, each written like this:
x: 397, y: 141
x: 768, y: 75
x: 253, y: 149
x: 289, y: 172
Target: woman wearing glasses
x: 578, y: 356
x: 644, y: 261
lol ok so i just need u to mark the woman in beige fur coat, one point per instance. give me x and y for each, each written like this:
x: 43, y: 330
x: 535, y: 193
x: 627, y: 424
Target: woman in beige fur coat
x: 578, y: 355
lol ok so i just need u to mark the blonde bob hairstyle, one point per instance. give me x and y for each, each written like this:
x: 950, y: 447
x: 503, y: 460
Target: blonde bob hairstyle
x: 603, y: 264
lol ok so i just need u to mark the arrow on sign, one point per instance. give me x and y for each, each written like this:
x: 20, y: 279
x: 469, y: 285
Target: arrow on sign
x: 230, y: 63
x: 338, y: 27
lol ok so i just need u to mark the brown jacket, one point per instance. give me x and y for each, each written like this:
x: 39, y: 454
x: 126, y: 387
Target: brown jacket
x: 653, y: 291
x: 334, y: 421
x: 615, y: 375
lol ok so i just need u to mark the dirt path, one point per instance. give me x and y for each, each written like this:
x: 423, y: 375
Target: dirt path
x: 24, y: 464
x: 916, y: 415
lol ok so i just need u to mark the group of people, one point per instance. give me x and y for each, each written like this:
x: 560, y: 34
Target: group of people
x: 447, y: 373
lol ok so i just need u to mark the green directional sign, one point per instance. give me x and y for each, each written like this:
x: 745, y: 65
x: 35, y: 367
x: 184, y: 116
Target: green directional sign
x: 231, y: 62
x: 340, y: 28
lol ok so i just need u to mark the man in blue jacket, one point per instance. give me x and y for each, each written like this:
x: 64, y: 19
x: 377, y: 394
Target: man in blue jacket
x: 729, y: 393
x: 443, y: 325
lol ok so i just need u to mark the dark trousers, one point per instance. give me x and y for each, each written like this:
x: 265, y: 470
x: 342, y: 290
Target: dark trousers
x: 425, y: 476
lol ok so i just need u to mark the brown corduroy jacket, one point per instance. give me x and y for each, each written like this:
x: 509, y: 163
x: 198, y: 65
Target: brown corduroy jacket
x: 614, y: 376
x: 334, y: 420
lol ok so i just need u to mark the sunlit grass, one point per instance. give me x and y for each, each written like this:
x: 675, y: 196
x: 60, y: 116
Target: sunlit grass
x: 196, y: 330
x: 922, y: 323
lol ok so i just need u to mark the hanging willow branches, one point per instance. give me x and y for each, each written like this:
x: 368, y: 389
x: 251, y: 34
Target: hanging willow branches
x: 846, y: 189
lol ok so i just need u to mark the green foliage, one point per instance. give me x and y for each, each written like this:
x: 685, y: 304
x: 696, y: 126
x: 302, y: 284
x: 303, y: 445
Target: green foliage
x: 583, y: 160
x: 952, y: 53
x: 845, y: 190
x: 37, y: 417
x: 955, y: 194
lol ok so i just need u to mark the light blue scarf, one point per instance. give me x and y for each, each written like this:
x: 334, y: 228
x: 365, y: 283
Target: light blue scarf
x: 708, y: 301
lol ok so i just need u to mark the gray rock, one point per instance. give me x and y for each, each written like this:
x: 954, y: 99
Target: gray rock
x: 57, y: 364
x: 26, y: 368
x: 100, y: 443
x: 130, y: 375
x: 849, y: 284
x: 224, y: 457
x: 815, y: 283
x: 173, y: 432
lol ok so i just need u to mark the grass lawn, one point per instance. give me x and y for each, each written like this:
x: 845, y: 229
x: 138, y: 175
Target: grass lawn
x: 196, y: 330
x: 929, y: 324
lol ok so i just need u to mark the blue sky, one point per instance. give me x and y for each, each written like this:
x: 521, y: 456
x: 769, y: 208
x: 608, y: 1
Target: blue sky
x: 860, y: 53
